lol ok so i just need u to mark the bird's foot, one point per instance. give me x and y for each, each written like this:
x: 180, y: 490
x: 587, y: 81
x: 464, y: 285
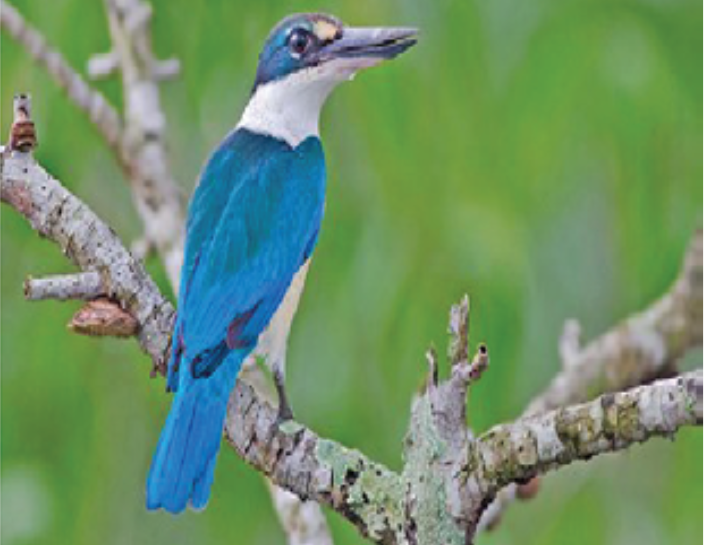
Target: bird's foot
x: 284, y: 414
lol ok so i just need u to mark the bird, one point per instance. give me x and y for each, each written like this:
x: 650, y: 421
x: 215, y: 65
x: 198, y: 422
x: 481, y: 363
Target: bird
x: 252, y: 226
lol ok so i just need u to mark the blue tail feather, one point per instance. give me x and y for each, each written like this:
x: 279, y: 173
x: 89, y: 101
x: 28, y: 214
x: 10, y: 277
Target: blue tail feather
x: 184, y: 463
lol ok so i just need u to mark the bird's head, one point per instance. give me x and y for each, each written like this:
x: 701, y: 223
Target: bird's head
x: 304, y: 58
x: 319, y: 47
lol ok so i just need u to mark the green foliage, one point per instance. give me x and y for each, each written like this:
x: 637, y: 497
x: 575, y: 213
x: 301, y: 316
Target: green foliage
x: 542, y: 156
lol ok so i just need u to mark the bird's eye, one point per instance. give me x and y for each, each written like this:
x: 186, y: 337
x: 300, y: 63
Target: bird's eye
x: 298, y: 42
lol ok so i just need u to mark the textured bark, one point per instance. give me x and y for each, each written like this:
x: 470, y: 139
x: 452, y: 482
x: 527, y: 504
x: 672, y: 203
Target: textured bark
x: 85, y: 285
x: 536, y: 444
x: 90, y: 244
x: 295, y: 458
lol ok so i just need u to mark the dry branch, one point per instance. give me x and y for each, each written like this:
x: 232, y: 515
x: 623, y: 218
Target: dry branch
x: 644, y: 347
x: 85, y: 285
x: 536, y: 444
x: 56, y: 214
x: 143, y: 147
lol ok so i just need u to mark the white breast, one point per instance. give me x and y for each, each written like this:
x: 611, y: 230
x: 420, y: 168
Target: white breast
x: 288, y: 109
x: 272, y: 342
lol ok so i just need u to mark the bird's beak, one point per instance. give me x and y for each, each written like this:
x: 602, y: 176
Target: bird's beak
x: 362, y: 47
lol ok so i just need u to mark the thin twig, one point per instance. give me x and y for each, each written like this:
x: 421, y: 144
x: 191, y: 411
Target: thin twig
x: 84, y: 285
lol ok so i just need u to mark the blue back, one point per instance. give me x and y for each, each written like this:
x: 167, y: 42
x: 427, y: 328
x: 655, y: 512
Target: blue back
x: 252, y: 223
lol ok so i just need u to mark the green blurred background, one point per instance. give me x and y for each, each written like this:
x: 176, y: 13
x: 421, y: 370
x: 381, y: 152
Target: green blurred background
x: 543, y: 156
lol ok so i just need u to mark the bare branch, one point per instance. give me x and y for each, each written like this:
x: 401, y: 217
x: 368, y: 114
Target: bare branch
x: 366, y: 493
x: 143, y: 151
x: 536, y: 444
x: 303, y: 521
x: 85, y: 285
x: 439, y: 491
x: 90, y: 244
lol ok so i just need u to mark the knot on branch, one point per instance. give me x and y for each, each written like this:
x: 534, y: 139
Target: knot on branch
x: 23, y: 135
x: 103, y: 317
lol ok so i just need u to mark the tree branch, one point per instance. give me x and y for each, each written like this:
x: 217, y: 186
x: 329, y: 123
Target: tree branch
x: 640, y: 349
x: 85, y: 285
x: 534, y: 445
x: 143, y: 148
x: 90, y: 244
x: 645, y: 346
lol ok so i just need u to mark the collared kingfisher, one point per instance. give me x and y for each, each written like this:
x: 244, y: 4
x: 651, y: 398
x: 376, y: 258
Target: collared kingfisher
x: 253, y: 223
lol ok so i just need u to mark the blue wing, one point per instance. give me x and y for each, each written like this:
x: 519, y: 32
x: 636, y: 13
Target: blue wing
x: 253, y: 221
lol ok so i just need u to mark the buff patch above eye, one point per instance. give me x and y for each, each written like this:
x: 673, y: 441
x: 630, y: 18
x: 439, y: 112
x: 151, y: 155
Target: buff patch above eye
x: 325, y: 30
